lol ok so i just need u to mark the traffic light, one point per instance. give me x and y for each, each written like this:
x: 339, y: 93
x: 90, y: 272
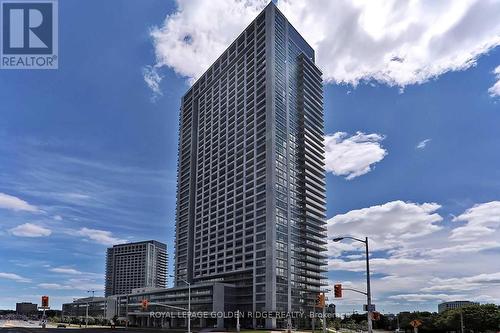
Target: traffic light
x: 144, y: 304
x: 45, y: 301
x: 320, y: 303
x: 375, y: 315
x: 337, y: 290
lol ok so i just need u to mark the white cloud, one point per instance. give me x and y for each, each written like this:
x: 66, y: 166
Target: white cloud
x: 152, y: 79
x: 425, y: 297
x: 30, y: 230
x: 389, y: 225
x: 16, y: 204
x: 72, y: 284
x: 392, y: 42
x: 100, y: 236
x: 53, y: 286
x: 422, y: 144
x: 421, y: 259
x: 353, y: 156
x: 65, y: 270
x: 468, y: 247
x: 464, y: 283
x: 58, y: 217
x: 495, y: 89
x: 481, y: 220
x: 353, y: 256
x: 14, y: 277
x: 76, y: 280
x: 376, y: 264
x: 194, y: 36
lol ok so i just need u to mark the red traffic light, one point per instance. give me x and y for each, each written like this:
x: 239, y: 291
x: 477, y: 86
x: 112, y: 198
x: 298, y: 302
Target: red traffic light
x: 320, y: 302
x: 144, y: 304
x: 337, y: 290
x: 375, y: 315
x: 45, y: 301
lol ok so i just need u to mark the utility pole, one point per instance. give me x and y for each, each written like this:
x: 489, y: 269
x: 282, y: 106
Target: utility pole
x: 462, y: 321
x: 368, y: 289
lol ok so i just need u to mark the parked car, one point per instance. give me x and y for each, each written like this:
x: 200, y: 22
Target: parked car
x: 61, y: 325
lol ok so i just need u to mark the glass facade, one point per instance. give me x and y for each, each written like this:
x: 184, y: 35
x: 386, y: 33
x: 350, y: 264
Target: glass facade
x: 251, y: 189
x: 297, y: 84
x: 135, y: 265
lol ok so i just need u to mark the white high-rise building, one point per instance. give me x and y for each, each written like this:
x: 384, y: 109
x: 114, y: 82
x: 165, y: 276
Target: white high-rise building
x: 135, y: 265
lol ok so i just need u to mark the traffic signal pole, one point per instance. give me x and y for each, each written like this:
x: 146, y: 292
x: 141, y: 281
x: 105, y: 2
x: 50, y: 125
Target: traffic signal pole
x: 369, y: 309
x: 324, y: 319
x: 314, y: 316
x: 45, y: 306
x: 321, y: 302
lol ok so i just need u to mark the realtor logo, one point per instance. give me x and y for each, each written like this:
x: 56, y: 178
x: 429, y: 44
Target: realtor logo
x: 29, y: 34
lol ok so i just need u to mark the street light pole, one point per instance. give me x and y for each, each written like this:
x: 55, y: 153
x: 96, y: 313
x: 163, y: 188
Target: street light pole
x: 189, y: 301
x: 126, y: 312
x: 87, y: 314
x: 368, y: 287
x: 189, y: 307
x: 87, y: 308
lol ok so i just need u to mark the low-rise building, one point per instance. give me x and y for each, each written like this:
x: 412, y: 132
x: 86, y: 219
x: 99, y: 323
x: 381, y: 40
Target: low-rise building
x: 167, y: 308
x: 78, y: 308
x: 26, y: 308
x: 454, y: 305
x: 213, y: 304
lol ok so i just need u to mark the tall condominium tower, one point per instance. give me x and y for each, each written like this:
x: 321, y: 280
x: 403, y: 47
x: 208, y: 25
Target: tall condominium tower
x: 135, y: 265
x: 251, y: 178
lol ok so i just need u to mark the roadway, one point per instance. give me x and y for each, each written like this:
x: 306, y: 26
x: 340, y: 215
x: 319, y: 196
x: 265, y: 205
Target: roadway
x: 21, y: 326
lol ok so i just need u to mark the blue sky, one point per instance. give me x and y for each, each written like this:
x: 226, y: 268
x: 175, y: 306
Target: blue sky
x: 88, y: 151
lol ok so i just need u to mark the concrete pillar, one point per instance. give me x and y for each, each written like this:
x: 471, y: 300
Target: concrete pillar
x: 270, y: 323
x: 220, y: 323
x: 218, y: 302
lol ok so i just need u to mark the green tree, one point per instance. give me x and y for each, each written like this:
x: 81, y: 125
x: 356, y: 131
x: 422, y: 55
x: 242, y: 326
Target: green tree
x: 476, y: 318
